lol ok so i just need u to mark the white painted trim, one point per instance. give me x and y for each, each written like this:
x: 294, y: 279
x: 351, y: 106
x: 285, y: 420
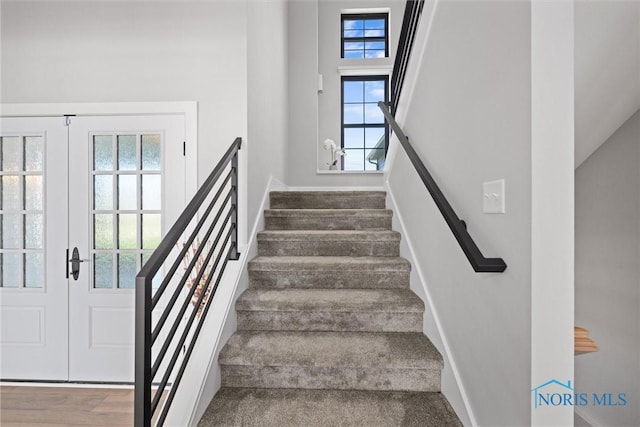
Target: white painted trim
x: 188, y: 108
x: 330, y: 172
x: 203, y: 398
x: 341, y: 188
x: 448, y: 356
x: 54, y: 384
x: 365, y: 70
x: 366, y: 10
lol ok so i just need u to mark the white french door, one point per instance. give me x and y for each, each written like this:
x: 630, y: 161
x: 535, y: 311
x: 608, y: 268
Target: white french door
x: 123, y: 182
x: 33, y: 287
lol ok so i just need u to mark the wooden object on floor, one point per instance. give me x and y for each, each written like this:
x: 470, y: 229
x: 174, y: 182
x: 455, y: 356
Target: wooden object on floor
x: 582, y: 343
x: 65, y: 406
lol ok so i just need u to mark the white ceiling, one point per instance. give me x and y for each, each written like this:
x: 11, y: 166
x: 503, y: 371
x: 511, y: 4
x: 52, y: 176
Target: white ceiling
x: 607, y: 70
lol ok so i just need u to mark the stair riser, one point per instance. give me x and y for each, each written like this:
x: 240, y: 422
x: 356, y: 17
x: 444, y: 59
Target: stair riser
x: 329, y: 279
x: 329, y: 321
x: 327, y: 201
x: 323, y: 223
x: 335, y: 378
x: 311, y: 247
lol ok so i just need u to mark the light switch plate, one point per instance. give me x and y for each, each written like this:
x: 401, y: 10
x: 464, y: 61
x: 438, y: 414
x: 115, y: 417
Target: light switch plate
x: 493, y: 197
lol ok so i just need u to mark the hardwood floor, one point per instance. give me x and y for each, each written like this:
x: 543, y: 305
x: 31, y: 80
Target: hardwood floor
x: 65, y: 406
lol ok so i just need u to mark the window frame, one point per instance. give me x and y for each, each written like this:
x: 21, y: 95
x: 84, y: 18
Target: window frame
x: 343, y: 126
x: 364, y: 16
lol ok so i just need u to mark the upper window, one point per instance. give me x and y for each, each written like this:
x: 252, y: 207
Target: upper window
x: 365, y: 35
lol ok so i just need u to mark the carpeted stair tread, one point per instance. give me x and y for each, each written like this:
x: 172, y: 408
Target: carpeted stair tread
x: 327, y: 199
x: 329, y: 243
x: 329, y: 272
x: 252, y: 407
x: 330, y: 235
x: 331, y: 349
x: 285, y: 263
x: 327, y: 219
x: 333, y: 300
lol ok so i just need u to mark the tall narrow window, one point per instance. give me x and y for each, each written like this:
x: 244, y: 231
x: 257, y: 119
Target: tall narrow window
x: 364, y: 131
x: 365, y: 36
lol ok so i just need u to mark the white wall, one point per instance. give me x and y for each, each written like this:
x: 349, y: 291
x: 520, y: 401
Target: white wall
x: 302, y: 163
x: 329, y: 100
x: 608, y: 274
x: 267, y: 71
x: 470, y: 122
x: 106, y: 51
x: 607, y: 55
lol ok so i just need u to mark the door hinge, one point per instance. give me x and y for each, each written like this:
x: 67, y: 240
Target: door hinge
x: 67, y: 119
x: 184, y: 148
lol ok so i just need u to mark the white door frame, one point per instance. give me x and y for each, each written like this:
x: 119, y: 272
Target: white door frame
x: 188, y: 108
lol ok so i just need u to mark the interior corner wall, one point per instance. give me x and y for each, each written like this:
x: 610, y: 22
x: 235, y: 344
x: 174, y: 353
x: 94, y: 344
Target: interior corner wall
x: 302, y: 164
x: 106, y: 51
x: 470, y: 122
x: 267, y: 69
x: 607, y: 293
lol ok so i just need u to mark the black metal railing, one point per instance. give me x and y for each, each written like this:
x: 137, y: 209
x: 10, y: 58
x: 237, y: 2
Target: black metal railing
x: 412, y: 12
x: 172, y: 302
x: 478, y: 261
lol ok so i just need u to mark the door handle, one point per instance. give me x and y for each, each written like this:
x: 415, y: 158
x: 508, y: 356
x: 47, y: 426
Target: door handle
x: 75, y: 263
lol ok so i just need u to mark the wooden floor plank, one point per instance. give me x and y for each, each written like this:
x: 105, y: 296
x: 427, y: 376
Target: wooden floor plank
x: 65, y: 406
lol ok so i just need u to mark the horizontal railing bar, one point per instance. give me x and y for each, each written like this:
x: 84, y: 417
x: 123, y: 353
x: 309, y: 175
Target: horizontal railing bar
x: 185, y: 303
x: 165, y: 282
x: 479, y: 263
x: 185, y: 275
x: 183, y: 365
x: 165, y: 247
x: 185, y: 333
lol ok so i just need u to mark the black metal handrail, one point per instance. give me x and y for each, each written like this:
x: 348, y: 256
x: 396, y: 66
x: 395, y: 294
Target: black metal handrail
x: 412, y: 13
x: 478, y: 261
x: 177, y: 291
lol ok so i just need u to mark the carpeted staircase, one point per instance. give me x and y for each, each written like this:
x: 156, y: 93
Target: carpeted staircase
x: 329, y: 332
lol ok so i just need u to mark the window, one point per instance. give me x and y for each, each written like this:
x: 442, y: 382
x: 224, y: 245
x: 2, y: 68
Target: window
x: 365, y: 36
x: 364, y: 130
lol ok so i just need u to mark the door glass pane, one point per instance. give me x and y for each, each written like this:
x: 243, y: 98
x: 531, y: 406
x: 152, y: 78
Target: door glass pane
x: 11, y: 153
x: 127, y: 152
x: 34, y: 153
x: 103, y: 192
x: 33, y: 192
x: 120, y: 239
x: 127, y: 192
x: 127, y: 231
x: 151, y: 231
x: 11, y: 231
x: 22, y: 233
x: 33, y: 231
x: 151, y: 192
x: 11, y: 192
x: 10, y: 270
x: 103, y: 270
x: 103, y: 152
x: 151, y: 149
x: 33, y: 270
x: 127, y: 269
x: 103, y: 231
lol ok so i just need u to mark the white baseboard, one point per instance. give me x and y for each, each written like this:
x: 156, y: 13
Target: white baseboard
x: 415, y: 265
